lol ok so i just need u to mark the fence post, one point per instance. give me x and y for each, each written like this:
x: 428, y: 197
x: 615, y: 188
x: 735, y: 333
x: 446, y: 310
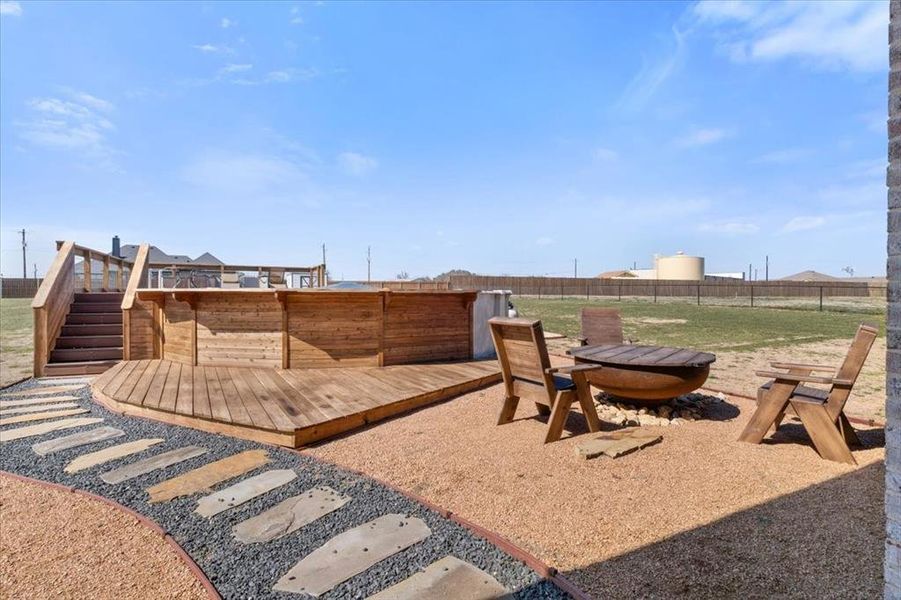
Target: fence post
x: 752, y: 296
x: 821, y: 298
x: 699, y: 294
x: 561, y: 289
x: 539, y: 291
x: 655, y: 293
x: 620, y: 294
x: 587, y: 290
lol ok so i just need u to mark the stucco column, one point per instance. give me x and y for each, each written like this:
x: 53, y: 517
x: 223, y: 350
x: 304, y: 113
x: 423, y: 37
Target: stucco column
x: 893, y: 356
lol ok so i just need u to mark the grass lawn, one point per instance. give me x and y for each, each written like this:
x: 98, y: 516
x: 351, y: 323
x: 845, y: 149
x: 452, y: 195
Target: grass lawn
x: 704, y: 327
x: 15, y: 339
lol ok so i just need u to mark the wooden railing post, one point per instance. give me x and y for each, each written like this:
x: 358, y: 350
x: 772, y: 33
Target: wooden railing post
x: 88, y: 276
x: 104, y: 278
x: 138, y: 272
x: 119, y: 268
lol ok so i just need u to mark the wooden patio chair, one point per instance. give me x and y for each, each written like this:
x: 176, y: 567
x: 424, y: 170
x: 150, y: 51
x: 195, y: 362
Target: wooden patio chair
x: 277, y: 279
x: 601, y: 326
x: 527, y: 371
x: 821, y: 411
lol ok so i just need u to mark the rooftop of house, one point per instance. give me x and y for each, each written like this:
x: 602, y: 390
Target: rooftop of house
x: 130, y: 251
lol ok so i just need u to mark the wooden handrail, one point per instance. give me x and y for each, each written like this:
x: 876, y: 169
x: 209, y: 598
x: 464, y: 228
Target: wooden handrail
x: 117, y: 260
x: 52, y: 278
x: 138, y: 274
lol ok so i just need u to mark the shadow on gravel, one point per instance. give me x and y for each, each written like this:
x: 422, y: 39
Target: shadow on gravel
x: 823, y: 541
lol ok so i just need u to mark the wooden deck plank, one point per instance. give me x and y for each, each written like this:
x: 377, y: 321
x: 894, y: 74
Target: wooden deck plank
x: 201, y: 404
x: 152, y: 398
x: 288, y: 407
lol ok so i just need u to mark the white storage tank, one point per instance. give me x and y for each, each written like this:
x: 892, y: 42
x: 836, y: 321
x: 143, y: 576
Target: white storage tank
x: 680, y: 267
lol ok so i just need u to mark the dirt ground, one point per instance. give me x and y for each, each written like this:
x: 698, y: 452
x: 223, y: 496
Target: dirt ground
x: 733, y: 371
x: 55, y: 544
x: 698, y: 514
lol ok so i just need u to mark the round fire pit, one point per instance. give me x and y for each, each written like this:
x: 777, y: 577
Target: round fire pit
x: 645, y: 374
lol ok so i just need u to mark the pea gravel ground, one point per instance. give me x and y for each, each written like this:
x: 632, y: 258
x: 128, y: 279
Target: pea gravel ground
x: 250, y: 571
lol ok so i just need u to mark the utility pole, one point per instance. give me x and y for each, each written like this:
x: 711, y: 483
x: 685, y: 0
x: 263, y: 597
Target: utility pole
x: 575, y: 267
x: 24, y: 262
x: 368, y: 264
x: 767, y: 271
x: 323, y: 253
x: 35, y: 270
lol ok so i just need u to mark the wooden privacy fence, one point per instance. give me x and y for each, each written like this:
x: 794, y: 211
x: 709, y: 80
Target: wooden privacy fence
x: 294, y: 329
x: 17, y: 287
x: 398, y: 285
x: 590, y: 286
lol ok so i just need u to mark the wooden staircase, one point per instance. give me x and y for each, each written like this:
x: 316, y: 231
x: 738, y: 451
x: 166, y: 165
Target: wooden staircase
x: 90, y: 340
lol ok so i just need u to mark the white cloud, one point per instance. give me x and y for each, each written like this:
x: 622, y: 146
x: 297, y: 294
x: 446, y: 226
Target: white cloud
x: 356, y: 164
x: 225, y: 23
x: 803, y: 224
x: 702, y: 137
x: 605, y: 154
x: 783, y: 156
x: 730, y: 228
x: 72, y: 123
x: 288, y: 75
x: 544, y: 241
x: 652, y: 75
x: 10, y: 8
x: 831, y: 35
x: 243, y: 174
x: 213, y: 49
x: 234, y: 68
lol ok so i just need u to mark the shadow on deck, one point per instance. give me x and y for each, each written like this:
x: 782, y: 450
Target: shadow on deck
x: 286, y: 407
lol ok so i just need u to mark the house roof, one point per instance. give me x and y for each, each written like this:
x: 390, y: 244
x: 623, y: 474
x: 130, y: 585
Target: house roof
x: 612, y: 274
x: 130, y: 251
x: 809, y: 276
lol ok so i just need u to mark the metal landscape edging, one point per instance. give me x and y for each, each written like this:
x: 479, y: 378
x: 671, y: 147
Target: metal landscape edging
x: 192, y: 566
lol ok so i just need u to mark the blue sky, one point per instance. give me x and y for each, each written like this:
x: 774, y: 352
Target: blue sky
x: 501, y: 138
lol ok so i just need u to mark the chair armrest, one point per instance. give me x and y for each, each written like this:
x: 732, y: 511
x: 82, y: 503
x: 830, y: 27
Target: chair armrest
x: 572, y: 369
x: 785, y: 365
x: 779, y: 376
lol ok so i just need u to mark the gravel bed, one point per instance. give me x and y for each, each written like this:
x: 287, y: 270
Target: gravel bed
x: 249, y: 571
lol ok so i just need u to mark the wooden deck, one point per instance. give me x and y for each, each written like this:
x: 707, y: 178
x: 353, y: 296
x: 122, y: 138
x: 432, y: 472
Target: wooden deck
x: 287, y: 407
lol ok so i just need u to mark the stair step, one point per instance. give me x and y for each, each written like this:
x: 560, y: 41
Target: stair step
x: 112, y: 318
x: 102, y: 297
x: 89, y: 341
x: 90, y: 367
x: 112, y: 329
x: 95, y: 307
x: 85, y: 354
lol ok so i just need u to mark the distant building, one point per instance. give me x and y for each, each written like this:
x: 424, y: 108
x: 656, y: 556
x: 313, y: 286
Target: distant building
x: 809, y: 276
x: 676, y: 267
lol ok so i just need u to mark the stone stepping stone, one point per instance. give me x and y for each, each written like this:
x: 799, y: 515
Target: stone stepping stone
x: 82, y: 438
x: 352, y: 552
x: 159, y: 461
x: 50, y: 414
x: 42, y: 389
x: 203, y: 478
x: 92, y: 459
x: 65, y: 381
x: 38, y: 407
x: 32, y: 401
x: 449, y: 577
x: 243, y: 491
x: 42, y: 428
x: 616, y: 444
x: 289, y: 515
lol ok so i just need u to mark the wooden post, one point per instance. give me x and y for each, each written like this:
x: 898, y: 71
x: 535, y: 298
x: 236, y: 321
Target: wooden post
x: 119, y: 267
x: 126, y: 334
x: 384, y: 303
x: 752, y: 296
x: 655, y: 292
x: 104, y: 279
x: 699, y: 294
x: 821, y: 298
x: 194, y: 333
x: 587, y: 290
x: 286, y: 338
x: 620, y: 293
x: 88, y: 276
x: 41, y: 354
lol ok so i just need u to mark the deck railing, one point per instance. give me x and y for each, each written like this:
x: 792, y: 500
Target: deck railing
x: 50, y: 305
x: 165, y: 275
x: 139, y: 272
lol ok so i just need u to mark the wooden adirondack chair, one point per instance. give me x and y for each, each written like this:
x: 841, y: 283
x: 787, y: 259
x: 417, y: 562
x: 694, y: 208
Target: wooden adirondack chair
x: 821, y: 411
x: 230, y: 280
x: 601, y: 326
x: 277, y: 279
x: 528, y: 373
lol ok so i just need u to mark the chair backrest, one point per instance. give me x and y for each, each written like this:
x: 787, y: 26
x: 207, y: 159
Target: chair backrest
x: 230, y: 280
x: 521, y: 351
x: 276, y: 276
x: 850, y: 369
x: 601, y: 326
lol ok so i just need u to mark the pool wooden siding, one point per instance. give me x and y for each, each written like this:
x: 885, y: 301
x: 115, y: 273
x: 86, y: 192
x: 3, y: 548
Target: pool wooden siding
x: 300, y: 329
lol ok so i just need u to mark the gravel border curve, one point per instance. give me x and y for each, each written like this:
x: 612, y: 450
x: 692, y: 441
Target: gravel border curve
x: 249, y: 571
